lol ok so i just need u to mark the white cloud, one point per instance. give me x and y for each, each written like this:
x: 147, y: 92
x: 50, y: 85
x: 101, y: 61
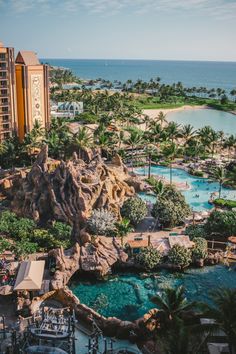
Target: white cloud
x: 224, y: 8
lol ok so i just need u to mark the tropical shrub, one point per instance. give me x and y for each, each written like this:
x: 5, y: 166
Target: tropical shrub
x: 194, y: 231
x: 180, y: 255
x: 199, y: 250
x: 221, y: 223
x: 148, y: 257
x: 170, y: 209
x: 24, y: 232
x: 134, y: 209
x: 225, y: 203
x: 196, y: 173
x: 17, y: 228
x: 101, y: 222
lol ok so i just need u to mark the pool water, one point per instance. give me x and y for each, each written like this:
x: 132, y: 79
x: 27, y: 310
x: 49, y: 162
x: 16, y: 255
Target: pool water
x: 199, y: 118
x: 202, y: 187
x: 128, y: 296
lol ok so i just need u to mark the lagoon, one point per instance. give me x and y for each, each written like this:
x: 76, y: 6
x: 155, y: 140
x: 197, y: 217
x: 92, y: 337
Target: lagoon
x: 199, y: 118
x: 127, y: 296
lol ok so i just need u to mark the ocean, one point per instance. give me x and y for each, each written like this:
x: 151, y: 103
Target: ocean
x: 190, y: 73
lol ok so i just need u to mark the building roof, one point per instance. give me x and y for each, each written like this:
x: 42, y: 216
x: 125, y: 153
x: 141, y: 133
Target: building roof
x: 138, y: 243
x: 180, y: 240
x: 27, y: 58
x: 30, y: 275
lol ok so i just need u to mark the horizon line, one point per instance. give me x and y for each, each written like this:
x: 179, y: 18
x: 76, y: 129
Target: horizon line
x: 135, y: 59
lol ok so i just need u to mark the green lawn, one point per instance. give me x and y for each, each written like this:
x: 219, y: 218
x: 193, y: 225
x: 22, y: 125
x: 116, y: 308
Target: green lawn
x: 153, y: 103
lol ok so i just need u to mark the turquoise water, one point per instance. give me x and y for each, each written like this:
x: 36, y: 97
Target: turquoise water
x: 201, y: 117
x: 190, y: 73
x: 128, y: 296
x: 202, y: 187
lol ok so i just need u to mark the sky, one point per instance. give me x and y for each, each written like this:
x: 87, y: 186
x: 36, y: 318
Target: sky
x: 121, y: 29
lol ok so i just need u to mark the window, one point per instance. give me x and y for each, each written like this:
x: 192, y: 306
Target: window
x: 2, y: 56
x: 4, y: 100
x: 6, y: 135
x: 5, y: 126
x: 3, y: 92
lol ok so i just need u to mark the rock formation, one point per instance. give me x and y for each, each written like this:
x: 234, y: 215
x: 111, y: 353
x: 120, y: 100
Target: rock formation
x: 97, y: 257
x: 71, y: 190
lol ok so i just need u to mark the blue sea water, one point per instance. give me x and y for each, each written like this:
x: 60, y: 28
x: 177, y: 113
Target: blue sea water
x: 190, y: 73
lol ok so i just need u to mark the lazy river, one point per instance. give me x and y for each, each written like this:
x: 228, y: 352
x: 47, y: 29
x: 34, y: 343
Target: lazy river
x: 200, y: 188
x: 128, y: 296
x: 199, y: 118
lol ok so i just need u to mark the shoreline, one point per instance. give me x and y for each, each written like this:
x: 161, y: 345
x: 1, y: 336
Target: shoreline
x: 153, y: 113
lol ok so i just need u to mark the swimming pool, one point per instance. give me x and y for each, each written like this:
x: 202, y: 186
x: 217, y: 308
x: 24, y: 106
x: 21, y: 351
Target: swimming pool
x: 202, y: 187
x: 127, y: 296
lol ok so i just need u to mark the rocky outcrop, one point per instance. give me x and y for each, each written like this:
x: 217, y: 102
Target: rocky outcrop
x: 97, y: 257
x: 72, y: 190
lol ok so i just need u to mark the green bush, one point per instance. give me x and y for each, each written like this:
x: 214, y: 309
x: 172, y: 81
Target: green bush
x: 24, y: 231
x: 101, y: 222
x: 148, y: 257
x: 196, y: 173
x: 194, y: 231
x: 134, y: 209
x: 225, y: 203
x: 180, y: 256
x: 221, y: 223
x: 199, y: 250
x: 170, y: 208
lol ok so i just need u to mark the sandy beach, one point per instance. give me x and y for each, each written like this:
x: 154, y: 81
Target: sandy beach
x: 153, y: 113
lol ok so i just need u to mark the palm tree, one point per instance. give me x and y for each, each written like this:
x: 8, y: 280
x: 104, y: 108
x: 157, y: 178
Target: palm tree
x: 135, y: 139
x: 229, y: 143
x: 150, y: 149
x: 173, y: 131
x: 159, y: 188
x: 173, y: 303
x: 123, y: 228
x: 187, y: 132
x: 170, y: 152
x: 82, y: 139
x: 161, y: 118
x: 223, y: 312
x: 219, y: 174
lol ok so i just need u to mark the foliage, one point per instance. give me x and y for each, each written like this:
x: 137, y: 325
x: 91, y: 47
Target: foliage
x: 134, y: 209
x: 4, y: 245
x: 170, y: 208
x: 173, y: 303
x: 225, y: 203
x: 199, y: 250
x: 28, y: 237
x: 23, y: 247
x: 221, y: 223
x: 194, y: 231
x: 180, y: 256
x: 102, y: 222
x: 148, y: 257
x: 196, y: 173
x: 123, y: 228
x: 223, y: 311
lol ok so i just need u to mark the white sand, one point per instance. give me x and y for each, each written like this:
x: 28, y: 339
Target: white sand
x: 153, y: 113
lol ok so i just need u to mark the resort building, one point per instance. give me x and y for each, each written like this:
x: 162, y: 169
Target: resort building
x: 24, y: 93
x: 8, y: 108
x: 32, y: 86
x: 67, y: 109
